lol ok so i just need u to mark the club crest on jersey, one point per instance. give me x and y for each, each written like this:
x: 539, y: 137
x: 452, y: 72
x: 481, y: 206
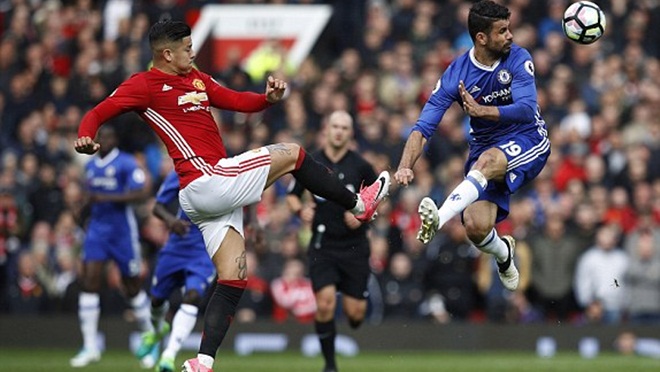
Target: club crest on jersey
x: 504, y: 76
x: 195, y: 98
x: 198, y: 84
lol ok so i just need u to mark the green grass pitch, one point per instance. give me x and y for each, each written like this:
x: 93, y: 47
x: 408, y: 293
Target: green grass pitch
x: 19, y: 360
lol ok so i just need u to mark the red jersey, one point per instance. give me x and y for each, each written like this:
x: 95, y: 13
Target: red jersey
x: 178, y: 109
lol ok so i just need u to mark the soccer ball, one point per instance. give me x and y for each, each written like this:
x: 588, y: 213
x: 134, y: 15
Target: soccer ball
x: 584, y: 22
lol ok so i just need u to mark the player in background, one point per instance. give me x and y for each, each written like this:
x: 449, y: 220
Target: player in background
x: 175, y: 100
x: 114, y: 181
x: 339, y: 249
x: 494, y: 84
x: 182, y: 262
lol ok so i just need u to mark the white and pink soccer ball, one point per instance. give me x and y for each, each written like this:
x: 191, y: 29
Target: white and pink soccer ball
x: 584, y: 22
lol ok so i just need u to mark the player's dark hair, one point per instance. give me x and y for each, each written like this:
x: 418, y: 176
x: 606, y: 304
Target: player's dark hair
x: 164, y: 32
x: 482, y: 16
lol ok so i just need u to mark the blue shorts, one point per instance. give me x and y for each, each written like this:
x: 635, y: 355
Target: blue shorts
x: 119, y: 243
x: 526, y: 153
x: 174, y: 271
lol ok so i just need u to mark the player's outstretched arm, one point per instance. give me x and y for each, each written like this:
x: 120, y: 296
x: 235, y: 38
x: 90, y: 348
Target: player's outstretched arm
x: 274, y: 89
x: 86, y: 145
x: 411, y: 152
x: 177, y: 226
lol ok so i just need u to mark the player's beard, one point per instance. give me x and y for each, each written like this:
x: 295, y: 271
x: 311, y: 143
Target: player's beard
x: 500, y: 53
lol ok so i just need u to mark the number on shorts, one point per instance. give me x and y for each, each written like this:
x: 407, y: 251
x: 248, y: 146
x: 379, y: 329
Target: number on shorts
x: 511, y: 148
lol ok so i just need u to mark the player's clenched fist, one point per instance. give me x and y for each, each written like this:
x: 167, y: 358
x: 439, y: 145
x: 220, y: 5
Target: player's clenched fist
x: 404, y: 176
x: 274, y: 89
x: 86, y: 145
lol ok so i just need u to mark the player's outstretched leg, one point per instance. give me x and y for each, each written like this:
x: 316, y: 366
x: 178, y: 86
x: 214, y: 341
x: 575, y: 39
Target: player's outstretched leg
x: 428, y: 212
x: 322, y: 182
x: 372, y: 195
x: 507, y: 270
x: 466, y: 193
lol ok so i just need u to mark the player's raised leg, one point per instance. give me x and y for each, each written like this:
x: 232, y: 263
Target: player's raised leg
x: 490, y: 165
x: 291, y: 158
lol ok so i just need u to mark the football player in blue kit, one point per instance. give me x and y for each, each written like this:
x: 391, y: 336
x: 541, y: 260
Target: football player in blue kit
x: 182, y: 262
x: 114, y: 181
x: 494, y: 84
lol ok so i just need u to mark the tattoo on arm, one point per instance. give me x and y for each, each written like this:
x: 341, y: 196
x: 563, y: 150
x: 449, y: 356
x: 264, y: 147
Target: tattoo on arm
x: 242, y: 266
x: 280, y: 148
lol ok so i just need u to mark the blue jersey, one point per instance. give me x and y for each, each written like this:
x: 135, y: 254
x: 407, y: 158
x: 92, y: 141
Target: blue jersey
x: 191, y: 244
x: 113, y: 231
x: 508, y: 84
x: 116, y: 173
x: 183, y: 261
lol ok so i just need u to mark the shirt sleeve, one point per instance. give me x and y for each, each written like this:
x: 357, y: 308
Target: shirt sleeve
x: 131, y: 95
x: 169, y: 189
x: 523, y: 92
x: 444, y: 94
x: 229, y: 99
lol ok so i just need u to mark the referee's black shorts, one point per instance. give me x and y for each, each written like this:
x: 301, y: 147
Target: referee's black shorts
x: 346, y: 267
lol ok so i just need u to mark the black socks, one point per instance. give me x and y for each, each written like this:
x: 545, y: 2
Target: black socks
x: 322, y: 182
x: 220, y: 313
x: 327, y: 334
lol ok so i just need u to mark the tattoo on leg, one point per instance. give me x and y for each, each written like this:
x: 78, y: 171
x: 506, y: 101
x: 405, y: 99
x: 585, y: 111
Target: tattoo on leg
x: 242, y: 266
x: 280, y: 148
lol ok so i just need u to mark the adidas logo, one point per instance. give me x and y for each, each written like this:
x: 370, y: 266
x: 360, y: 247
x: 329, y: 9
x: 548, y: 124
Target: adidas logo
x: 166, y: 87
x: 512, y: 177
x: 474, y: 89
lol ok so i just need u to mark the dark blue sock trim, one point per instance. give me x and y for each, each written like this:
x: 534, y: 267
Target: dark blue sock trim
x: 492, y: 236
x: 476, y: 184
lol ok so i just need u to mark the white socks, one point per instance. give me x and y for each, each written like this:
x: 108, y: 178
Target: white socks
x: 89, y: 310
x: 182, y: 324
x: 205, y: 360
x: 359, y: 206
x: 495, y: 246
x: 466, y: 193
x: 142, y: 309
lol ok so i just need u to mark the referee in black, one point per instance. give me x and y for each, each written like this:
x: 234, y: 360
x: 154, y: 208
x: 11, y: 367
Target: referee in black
x: 339, y: 248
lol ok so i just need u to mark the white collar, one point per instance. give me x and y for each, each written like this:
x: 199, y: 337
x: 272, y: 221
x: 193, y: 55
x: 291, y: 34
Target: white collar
x: 481, y: 65
x: 102, y: 162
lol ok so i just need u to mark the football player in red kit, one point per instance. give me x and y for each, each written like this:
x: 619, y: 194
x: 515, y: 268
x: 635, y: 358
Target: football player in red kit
x: 175, y: 100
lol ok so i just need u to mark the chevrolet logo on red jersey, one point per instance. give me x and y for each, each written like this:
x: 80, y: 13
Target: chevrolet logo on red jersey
x: 195, y: 98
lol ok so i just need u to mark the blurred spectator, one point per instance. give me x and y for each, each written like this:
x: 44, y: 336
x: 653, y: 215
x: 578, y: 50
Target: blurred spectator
x: 293, y: 294
x: 26, y: 292
x: 642, y: 277
x: 627, y: 343
x: 401, y: 294
x: 451, y: 270
x: 502, y: 305
x: 599, y: 276
x: 554, y: 256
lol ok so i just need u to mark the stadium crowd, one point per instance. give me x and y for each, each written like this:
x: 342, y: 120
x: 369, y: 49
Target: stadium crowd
x: 588, y: 228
